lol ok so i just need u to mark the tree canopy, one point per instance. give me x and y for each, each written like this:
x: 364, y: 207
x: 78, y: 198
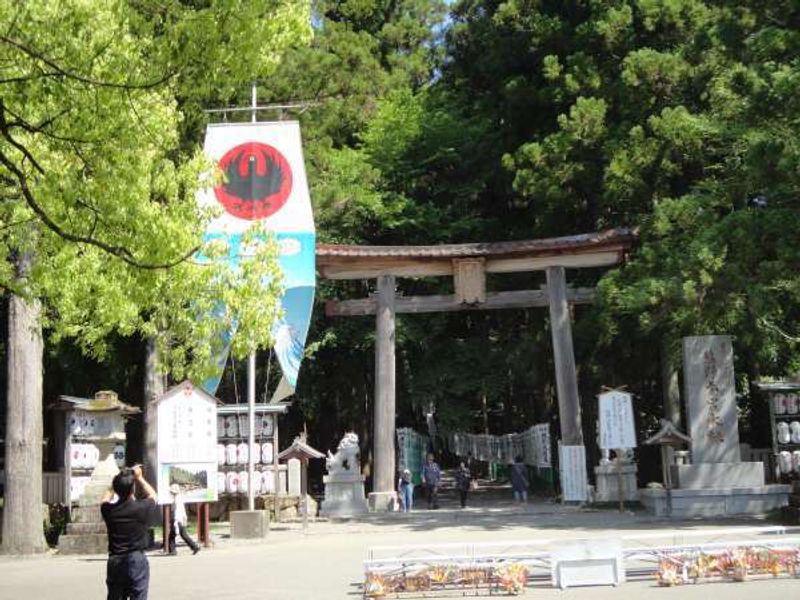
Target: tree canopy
x: 99, y: 168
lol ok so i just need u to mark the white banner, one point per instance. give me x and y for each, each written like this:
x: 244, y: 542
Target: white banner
x: 264, y: 181
x: 572, y: 466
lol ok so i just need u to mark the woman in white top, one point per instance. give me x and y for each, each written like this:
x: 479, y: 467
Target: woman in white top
x: 179, y: 522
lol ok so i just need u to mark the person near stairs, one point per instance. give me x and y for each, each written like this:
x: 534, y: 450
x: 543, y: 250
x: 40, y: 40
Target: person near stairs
x: 127, y: 520
x: 431, y: 476
x: 405, y: 490
x: 519, y: 480
x: 463, y: 480
x: 179, y: 522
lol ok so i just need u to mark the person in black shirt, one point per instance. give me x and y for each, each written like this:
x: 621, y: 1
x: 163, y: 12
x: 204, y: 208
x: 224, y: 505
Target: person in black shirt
x: 127, y: 520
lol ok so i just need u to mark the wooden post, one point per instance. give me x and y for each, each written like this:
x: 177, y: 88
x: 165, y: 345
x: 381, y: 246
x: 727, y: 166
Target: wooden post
x: 569, y: 407
x: 620, y: 483
x: 166, y: 517
x: 276, y: 467
x: 383, y: 474
x: 203, y: 524
x: 303, y: 491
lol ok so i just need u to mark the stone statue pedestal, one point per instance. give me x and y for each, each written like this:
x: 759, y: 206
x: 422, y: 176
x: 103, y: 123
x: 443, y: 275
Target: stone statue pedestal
x: 86, y: 534
x: 607, y: 478
x: 344, y: 495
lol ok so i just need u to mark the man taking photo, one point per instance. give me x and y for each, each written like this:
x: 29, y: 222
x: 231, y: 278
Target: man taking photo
x: 127, y: 520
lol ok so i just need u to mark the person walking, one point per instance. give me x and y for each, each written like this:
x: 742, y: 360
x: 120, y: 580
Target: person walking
x: 127, y: 520
x: 179, y: 522
x: 431, y: 476
x: 463, y: 481
x: 519, y: 480
x: 405, y: 489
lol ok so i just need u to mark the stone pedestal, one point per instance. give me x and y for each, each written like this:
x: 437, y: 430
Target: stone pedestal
x: 714, y: 475
x: 607, y: 483
x: 249, y: 524
x: 381, y: 501
x: 715, y: 502
x: 86, y: 534
x: 344, y: 495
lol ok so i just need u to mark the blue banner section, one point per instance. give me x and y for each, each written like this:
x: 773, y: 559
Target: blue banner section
x: 290, y: 332
x: 297, y: 262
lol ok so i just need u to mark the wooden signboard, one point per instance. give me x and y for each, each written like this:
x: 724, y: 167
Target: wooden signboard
x: 187, y: 444
x: 616, y: 420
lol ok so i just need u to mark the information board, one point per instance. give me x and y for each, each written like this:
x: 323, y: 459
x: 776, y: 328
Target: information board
x: 572, y: 466
x: 187, y: 444
x: 616, y: 420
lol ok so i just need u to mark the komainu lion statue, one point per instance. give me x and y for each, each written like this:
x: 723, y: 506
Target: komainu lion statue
x: 346, y: 458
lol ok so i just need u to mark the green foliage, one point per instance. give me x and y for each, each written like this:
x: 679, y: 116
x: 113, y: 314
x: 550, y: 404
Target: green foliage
x: 99, y: 171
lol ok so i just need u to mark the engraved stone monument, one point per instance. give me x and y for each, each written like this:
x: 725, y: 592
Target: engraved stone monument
x: 713, y: 423
x: 716, y: 482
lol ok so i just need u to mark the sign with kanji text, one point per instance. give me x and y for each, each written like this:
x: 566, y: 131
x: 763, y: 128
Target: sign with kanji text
x: 187, y: 444
x: 572, y: 467
x: 617, y: 430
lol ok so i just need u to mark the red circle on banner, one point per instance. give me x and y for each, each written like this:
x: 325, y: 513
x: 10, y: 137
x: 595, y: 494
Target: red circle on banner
x: 258, y: 181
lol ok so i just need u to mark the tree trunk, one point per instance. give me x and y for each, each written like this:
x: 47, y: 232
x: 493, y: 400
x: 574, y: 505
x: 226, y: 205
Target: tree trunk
x: 23, y: 531
x: 154, y: 386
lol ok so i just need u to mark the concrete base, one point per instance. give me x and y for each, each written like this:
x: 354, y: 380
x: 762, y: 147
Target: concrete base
x: 92, y: 543
x: 711, y: 475
x: 715, y: 503
x: 381, y: 501
x: 607, y: 488
x: 344, y: 495
x: 249, y: 524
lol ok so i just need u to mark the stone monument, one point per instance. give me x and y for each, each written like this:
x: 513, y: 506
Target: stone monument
x: 344, y: 483
x: 105, y: 416
x: 716, y: 482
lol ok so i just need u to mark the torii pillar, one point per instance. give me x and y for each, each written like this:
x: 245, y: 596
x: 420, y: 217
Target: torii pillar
x: 382, y: 495
x: 569, y: 405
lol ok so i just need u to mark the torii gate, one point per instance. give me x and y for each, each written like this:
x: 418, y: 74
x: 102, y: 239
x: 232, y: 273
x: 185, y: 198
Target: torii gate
x: 468, y: 265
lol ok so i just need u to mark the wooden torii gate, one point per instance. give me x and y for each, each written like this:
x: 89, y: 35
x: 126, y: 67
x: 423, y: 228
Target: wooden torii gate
x: 468, y: 265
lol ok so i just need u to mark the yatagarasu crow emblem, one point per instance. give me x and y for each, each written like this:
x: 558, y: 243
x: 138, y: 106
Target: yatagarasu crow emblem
x: 258, y: 181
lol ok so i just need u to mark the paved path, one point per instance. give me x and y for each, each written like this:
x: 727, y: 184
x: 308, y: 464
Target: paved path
x: 326, y: 563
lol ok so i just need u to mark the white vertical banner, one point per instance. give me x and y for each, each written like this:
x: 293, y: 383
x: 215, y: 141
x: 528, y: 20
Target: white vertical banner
x: 572, y: 467
x: 615, y: 409
x: 264, y: 181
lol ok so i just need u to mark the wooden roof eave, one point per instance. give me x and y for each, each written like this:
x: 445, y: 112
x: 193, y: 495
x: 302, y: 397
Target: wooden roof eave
x: 364, y: 262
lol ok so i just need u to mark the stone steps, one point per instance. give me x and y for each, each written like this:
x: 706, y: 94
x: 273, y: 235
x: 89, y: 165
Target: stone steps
x: 86, y: 514
x: 83, y: 528
x: 85, y: 543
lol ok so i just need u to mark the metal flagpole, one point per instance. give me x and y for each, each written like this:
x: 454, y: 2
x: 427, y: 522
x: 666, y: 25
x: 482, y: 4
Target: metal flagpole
x: 251, y: 390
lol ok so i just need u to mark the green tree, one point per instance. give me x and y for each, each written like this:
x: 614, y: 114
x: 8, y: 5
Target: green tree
x: 678, y: 118
x: 98, y: 175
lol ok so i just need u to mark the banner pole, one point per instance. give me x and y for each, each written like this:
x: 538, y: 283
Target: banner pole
x: 253, y: 101
x: 251, y: 433
x: 251, y: 381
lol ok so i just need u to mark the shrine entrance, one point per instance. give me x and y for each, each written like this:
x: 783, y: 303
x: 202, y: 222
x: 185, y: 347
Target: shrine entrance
x: 468, y: 265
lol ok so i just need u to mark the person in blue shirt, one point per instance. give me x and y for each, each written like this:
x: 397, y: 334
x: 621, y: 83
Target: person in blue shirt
x: 431, y: 476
